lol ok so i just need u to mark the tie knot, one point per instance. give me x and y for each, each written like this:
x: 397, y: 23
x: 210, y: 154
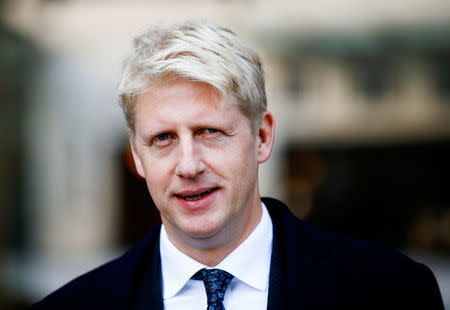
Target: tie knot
x: 216, y: 282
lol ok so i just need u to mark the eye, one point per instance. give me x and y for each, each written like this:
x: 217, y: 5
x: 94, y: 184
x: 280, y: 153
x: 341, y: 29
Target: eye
x: 210, y: 130
x: 210, y: 134
x: 162, y: 137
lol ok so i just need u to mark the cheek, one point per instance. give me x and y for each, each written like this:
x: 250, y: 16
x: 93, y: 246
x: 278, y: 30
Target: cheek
x: 157, y: 176
x: 236, y: 162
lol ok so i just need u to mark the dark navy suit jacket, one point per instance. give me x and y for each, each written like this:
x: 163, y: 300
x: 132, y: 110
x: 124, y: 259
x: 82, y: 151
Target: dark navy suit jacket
x: 310, y: 269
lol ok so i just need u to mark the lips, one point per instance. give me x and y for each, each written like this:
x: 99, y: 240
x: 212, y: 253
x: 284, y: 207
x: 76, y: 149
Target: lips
x: 197, y: 199
x: 192, y: 196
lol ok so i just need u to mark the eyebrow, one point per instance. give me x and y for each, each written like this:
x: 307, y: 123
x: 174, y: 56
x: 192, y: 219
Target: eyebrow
x: 220, y: 124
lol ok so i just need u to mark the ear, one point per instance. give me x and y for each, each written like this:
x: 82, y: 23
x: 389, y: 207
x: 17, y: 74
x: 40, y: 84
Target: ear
x: 136, y: 158
x: 266, y: 135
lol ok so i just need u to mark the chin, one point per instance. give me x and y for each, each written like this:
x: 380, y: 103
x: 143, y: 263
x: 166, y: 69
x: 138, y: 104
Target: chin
x: 203, y: 232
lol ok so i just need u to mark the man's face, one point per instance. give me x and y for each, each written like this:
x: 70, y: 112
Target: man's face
x: 200, y: 161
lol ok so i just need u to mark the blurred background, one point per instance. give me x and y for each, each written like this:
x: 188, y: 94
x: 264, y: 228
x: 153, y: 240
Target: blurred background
x: 360, y: 91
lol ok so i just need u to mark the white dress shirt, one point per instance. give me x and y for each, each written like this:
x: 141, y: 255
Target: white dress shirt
x: 249, y: 263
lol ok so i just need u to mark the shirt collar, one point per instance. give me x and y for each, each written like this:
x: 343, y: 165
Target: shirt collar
x: 249, y: 262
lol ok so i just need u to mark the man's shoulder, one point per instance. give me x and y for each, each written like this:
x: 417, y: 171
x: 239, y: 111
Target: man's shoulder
x: 364, y: 269
x: 360, y: 268
x: 86, y: 291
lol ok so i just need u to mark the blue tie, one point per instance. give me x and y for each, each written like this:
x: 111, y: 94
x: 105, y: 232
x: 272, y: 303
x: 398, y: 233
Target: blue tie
x: 216, y: 282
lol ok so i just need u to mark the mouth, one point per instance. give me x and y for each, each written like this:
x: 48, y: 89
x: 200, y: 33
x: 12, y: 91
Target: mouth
x: 194, y: 196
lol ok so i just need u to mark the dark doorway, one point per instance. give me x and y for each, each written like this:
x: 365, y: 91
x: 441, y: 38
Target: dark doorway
x: 395, y: 195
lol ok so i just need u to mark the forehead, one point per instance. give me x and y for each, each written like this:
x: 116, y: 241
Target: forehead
x: 183, y: 101
x: 180, y: 90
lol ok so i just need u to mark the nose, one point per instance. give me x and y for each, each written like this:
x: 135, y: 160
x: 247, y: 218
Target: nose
x: 190, y: 163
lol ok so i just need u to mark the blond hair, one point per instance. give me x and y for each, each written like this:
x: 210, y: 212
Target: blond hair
x: 199, y: 52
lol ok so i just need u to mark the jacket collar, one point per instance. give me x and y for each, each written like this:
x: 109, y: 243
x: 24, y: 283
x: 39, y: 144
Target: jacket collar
x: 303, y: 275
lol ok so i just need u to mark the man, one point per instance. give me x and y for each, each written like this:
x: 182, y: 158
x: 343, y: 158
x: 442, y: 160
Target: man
x: 194, y: 99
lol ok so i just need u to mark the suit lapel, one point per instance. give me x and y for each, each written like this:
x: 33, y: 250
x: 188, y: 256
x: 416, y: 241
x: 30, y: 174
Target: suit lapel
x: 149, y: 290
x: 302, y: 272
x: 277, y: 284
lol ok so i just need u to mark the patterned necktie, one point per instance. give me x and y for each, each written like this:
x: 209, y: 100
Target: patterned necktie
x: 216, y: 282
